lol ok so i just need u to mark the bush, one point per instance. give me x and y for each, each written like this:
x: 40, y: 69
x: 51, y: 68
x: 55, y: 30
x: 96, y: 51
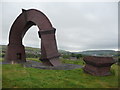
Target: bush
x: 76, y: 55
x: 66, y: 56
x: 29, y: 55
x: 79, y: 56
x: 2, y: 55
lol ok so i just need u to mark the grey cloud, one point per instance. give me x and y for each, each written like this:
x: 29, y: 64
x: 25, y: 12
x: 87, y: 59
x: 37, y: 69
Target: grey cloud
x: 80, y: 26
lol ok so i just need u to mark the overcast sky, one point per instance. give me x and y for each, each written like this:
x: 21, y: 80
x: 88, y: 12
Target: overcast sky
x: 80, y: 25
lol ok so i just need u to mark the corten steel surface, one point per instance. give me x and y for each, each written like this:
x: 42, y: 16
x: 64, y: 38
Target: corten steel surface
x: 99, y: 66
x: 15, y: 49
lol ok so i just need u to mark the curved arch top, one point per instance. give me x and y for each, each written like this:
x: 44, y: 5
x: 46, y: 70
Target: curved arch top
x: 25, y: 20
x: 28, y: 18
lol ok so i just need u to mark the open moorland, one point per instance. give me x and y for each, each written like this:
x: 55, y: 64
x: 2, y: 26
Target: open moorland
x: 17, y: 76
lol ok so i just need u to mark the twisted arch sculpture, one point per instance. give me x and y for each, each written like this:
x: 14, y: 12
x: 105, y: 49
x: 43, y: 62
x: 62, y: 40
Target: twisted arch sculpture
x: 15, y: 49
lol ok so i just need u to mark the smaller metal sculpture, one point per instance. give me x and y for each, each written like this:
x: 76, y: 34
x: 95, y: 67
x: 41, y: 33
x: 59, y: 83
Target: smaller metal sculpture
x: 99, y: 66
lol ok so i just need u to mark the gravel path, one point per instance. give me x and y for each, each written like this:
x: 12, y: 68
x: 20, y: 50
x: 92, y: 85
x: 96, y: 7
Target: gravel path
x: 35, y: 64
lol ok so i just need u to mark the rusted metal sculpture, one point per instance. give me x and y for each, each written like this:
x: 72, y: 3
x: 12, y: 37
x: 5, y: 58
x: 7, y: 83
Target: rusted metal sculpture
x: 99, y: 66
x: 15, y: 49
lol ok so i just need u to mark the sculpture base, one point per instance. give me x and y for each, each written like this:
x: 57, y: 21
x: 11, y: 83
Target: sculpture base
x: 15, y: 54
x: 38, y: 65
x: 98, y: 66
x: 35, y: 64
x: 51, y: 62
x: 97, y: 71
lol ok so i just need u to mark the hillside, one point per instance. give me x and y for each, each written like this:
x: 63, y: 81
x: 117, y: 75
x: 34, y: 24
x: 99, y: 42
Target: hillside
x: 17, y: 76
x: 99, y: 52
x: 36, y: 51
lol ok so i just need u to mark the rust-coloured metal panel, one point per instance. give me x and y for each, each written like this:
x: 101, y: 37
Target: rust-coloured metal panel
x: 99, y: 66
x: 15, y: 48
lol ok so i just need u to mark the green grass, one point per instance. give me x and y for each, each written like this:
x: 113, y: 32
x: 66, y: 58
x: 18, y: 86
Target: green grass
x: 16, y: 76
x: 33, y: 59
x: 78, y: 61
x: 1, y: 59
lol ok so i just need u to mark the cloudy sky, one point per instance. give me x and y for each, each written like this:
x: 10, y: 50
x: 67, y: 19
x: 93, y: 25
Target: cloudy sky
x: 80, y: 25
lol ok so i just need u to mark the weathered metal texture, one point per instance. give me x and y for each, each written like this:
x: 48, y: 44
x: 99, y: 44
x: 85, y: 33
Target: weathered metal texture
x: 15, y: 50
x: 99, y: 66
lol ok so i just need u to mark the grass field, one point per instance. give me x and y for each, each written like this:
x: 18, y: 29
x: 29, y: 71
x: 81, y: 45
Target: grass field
x: 16, y: 76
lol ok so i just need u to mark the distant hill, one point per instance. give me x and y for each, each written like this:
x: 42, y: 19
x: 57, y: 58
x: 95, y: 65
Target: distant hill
x: 27, y: 49
x: 64, y: 52
x: 99, y: 52
x: 32, y: 50
x: 36, y: 51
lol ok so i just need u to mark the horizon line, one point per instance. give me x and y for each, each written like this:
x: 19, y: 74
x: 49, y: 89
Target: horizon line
x: 75, y: 50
